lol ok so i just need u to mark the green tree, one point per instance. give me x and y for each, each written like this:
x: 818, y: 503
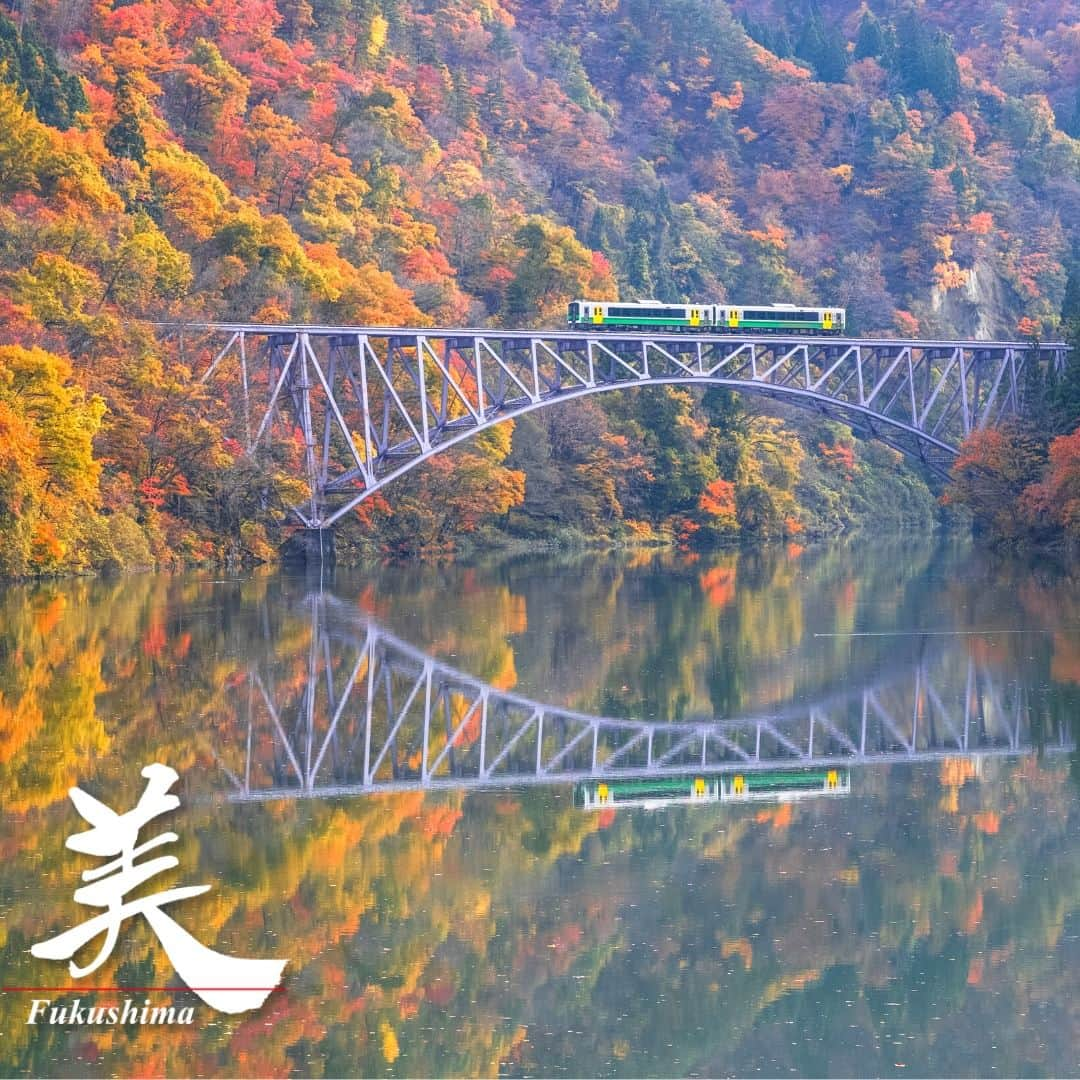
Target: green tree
x: 55, y: 95
x: 824, y: 47
x: 872, y: 39
x: 124, y: 139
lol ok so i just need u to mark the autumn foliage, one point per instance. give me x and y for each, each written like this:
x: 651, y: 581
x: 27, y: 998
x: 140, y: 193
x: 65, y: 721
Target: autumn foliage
x: 477, y: 162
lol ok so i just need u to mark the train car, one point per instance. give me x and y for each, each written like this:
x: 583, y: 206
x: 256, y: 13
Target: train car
x: 784, y: 785
x: 771, y: 785
x: 647, y: 792
x: 706, y: 318
x: 616, y: 315
x: 782, y: 318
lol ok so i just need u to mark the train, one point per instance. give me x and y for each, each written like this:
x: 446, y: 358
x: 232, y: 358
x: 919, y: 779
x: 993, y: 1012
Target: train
x: 706, y: 318
x: 772, y: 785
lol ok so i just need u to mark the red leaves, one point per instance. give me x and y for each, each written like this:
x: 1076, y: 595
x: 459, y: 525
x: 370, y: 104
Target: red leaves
x: 840, y: 457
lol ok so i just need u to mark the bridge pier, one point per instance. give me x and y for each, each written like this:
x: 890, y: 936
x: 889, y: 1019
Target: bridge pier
x: 309, y: 547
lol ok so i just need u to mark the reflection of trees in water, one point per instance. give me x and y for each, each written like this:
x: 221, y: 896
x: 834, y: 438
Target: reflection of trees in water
x: 442, y: 934
x: 667, y: 636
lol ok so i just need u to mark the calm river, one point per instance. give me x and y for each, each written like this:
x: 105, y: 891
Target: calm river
x: 871, y: 864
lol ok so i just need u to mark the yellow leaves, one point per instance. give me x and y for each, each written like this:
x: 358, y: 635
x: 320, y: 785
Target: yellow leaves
x: 461, y: 180
x: 377, y: 35
x: 23, y: 142
x: 843, y: 173
x: 388, y: 1043
x: 333, y: 202
x: 146, y: 267
x: 55, y: 289
x: 948, y: 274
x: 72, y: 177
x: 190, y: 195
x: 944, y: 245
x: 48, y: 477
x: 740, y: 947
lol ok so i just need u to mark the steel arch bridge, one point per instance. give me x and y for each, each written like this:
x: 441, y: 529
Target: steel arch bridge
x: 365, y: 712
x: 372, y: 403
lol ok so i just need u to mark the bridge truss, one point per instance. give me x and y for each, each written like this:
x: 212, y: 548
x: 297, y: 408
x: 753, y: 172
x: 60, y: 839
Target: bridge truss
x: 366, y: 712
x: 361, y: 406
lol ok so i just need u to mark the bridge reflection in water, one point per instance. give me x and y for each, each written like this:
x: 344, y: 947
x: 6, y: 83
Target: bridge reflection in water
x: 369, y: 713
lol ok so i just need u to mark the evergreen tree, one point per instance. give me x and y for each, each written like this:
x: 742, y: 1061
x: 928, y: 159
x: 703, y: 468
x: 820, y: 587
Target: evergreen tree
x: 942, y: 70
x: 824, y: 48
x: 1067, y: 396
x: 596, y: 233
x: 125, y: 138
x: 1070, y: 305
x: 639, y: 270
x: 1037, y: 411
x: 925, y: 61
x: 1069, y: 119
x: 54, y: 95
x: 871, y: 39
x: 773, y: 37
x: 1068, y: 392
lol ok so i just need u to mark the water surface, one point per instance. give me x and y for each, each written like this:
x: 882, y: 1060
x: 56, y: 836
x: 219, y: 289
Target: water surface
x: 449, y: 911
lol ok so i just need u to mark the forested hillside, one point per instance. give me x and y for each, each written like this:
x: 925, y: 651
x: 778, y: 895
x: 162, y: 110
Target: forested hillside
x: 483, y: 161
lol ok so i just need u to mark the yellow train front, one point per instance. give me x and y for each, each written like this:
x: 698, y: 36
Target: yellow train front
x: 695, y: 317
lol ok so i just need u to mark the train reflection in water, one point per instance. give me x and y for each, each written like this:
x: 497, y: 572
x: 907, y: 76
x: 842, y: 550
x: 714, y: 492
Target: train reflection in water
x: 654, y: 793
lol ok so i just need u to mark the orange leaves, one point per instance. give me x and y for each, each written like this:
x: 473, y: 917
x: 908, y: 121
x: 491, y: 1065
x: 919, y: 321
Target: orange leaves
x: 1057, y: 497
x: 780, y: 817
x: 786, y: 69
x: 906, y: 323
x: 974, y: 914
x: 773, y: 236
x: 438, y: 820
x: 730, y: 102
x: 980, y: 224
x: 718, y: 500
x: 958, y: 129
x: 47, y: 549
x: 718, y: 584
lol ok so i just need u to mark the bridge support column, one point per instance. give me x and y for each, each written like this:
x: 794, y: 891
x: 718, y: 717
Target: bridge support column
x: 309, y: 547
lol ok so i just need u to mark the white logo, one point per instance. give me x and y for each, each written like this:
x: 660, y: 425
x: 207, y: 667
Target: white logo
x: 228, y: 984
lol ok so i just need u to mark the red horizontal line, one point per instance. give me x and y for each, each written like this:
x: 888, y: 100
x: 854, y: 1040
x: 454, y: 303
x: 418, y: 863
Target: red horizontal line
x: 133, y: 989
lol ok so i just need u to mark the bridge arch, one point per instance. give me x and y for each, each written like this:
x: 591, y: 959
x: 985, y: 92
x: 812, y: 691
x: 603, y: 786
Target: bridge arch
x: 371, y: 404
x: 429, y: 725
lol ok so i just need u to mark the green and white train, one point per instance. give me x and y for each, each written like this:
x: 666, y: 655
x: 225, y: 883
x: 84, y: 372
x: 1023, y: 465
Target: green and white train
x: 706, y: 318
x: 771, y: 785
